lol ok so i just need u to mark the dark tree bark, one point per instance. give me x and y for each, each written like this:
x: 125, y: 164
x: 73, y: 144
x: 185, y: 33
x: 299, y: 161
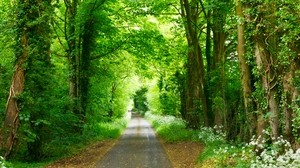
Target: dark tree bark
x: 181, y: 82
x: 195, y: 87
x: 72, y: 52
x: 208, y: 54
x: 87, y: 46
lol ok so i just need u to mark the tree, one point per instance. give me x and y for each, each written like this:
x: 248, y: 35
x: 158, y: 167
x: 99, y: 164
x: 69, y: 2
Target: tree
x: 71, y: 37
x: 195, y: 87
x: 32, y: 50
x: 248, y: 102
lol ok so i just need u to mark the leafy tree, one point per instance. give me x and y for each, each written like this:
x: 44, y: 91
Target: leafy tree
x: 140, y: 101
x: 32, y: 62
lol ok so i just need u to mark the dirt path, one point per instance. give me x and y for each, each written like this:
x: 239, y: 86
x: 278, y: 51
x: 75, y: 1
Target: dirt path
x: 86, y: 158
x: 137, y: 148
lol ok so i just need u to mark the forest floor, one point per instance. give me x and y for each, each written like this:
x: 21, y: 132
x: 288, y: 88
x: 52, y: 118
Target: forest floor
x: 181, y: 154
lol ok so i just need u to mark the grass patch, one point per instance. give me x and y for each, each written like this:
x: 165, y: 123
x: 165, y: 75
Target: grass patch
x: 222, y: 155
x: 170, y: 128
x: 71, y: 144
x: 106, y: 130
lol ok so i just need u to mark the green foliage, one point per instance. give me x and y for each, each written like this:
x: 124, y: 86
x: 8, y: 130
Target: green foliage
x: 169, y: 95
x: 170, y: 128
x: 6, y: 52
x: 212, y: 136
x: 70, y: 144
x: 218, y: 152
x: 2, y: 162
x: 224, y: 155
x: 105, y: 130
x: 125, y: 39
x: 112, y: 85
x: 140, y: 101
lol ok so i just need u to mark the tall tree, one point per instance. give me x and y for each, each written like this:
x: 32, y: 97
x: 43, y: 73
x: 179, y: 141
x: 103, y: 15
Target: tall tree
x: 89, y: 22
x: 266, y: 60
x: 33, y: 45
x: 71, y: 37
x: 219, y: 16
x: 245, y: 73
x: 288, y: 17
x: 196, y: 92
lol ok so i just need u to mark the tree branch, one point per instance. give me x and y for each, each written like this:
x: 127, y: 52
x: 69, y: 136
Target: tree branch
x: 111, y: 51
x: 59, y: 40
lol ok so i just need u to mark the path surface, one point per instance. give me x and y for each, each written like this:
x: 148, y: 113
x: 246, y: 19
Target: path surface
x: 137, y: 148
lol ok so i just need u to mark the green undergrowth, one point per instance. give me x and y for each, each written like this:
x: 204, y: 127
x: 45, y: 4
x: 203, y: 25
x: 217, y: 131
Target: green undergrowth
x: 71, y: 144
x: 218, y: 153
x: 258, y: 153
x: 223, y: 155
x: 170, y: 128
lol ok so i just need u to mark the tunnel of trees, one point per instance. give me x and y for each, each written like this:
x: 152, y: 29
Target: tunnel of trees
x: 67, y: 65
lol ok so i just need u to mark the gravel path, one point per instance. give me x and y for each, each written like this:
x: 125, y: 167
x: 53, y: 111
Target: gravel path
x: 137, y: 148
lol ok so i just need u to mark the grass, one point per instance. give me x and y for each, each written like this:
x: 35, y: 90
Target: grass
x: 69, y: 145
x: 170, y: 128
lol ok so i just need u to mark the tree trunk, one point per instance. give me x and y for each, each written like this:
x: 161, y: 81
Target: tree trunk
x: 181, y: 83
x: 11, y: 123
x: 8, y: 133
x: 218, y: 65
x: 39, y: 75
x: 245, y: 73
x: 33, y: 54
x: 287, y: 105
x: 71, y: 12
x: 291, y: 94
x: 219, y: 106
x: 266, y: 51
x: 87, y: 45
x: 196, y: 93
x: 210, y: 114
x: 269, y: 83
